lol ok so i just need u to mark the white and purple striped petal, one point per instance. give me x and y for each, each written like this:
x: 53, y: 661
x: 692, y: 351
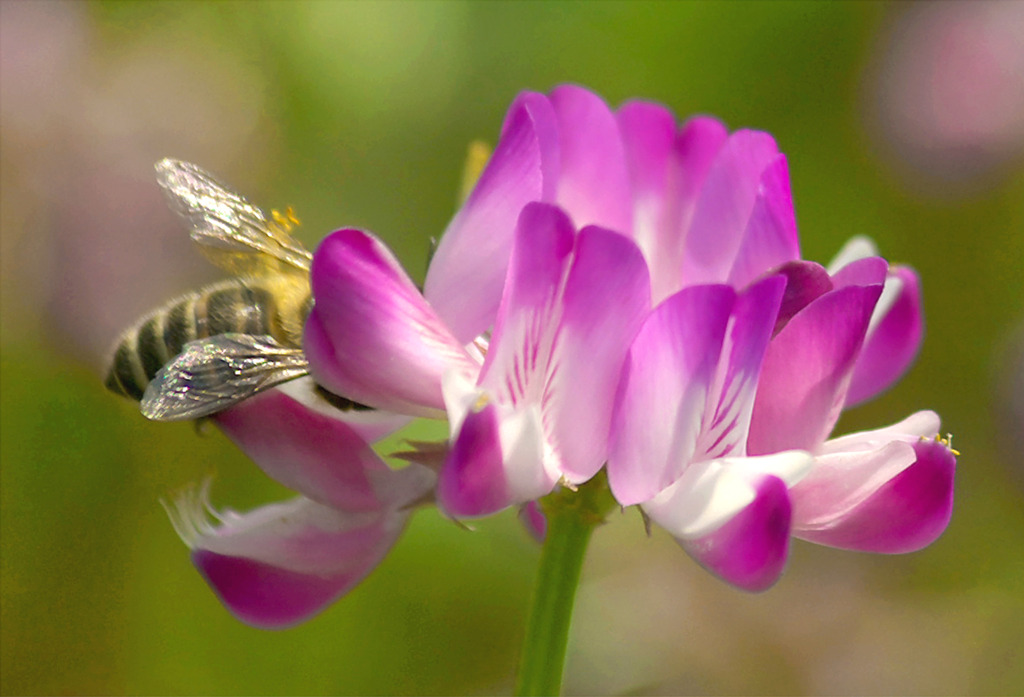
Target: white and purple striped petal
x: 607, y: 295
x: 663, y: 394
x: 731, y: 399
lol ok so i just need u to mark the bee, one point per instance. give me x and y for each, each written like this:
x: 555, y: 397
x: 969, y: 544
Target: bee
x: 212, y: 348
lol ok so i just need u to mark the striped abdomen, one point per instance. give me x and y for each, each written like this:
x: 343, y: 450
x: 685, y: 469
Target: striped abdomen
x: 235, y: 305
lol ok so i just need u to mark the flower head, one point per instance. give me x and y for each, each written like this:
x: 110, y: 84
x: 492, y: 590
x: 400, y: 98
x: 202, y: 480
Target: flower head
x: 718, y: 419
x: 617, y: 291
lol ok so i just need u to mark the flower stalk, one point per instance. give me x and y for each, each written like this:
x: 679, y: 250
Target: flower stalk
x: 572, y: 516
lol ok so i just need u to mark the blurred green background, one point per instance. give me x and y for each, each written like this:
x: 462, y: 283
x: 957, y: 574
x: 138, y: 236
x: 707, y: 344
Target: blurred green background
x: 360, y: 114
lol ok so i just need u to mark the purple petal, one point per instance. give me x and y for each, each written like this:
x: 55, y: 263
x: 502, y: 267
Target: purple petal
x: 770, y: 238
x: 663, y: 392
x: 465, y: 277
x: 472, y: 481
x: 733, y: 515
x: 725, y: 204
x: 894, y: 337
x: 495, y: 460
x: 371, y: 336
x: 594, y: 182
x: 805, y: 281
x: 807, y: 370
x: 906, y: 512
x: 649, y: 135
x: 607, y: 296
x: 279, y: 565
x: 310, y: 448
x: 696, y: 146
x: 520, y: 346
x: 861, y: 272
x: 731, y: 399
x: 750, y: 550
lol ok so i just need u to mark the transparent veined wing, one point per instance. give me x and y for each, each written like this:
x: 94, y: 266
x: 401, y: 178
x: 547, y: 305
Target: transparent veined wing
x: 215, y: 373
x: 233, y: 233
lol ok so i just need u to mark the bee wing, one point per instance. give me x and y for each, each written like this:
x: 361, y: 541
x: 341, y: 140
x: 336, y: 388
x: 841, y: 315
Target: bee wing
x: 234, y: 234
x: 213, y: 374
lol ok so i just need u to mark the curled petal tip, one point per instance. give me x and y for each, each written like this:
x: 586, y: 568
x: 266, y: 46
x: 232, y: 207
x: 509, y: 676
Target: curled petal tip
x: 749, y: 551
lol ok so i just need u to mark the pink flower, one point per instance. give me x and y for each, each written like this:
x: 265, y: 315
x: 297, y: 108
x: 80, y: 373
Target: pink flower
x: 529, y: 408
x: 616, y: 289
x: 734, y: 381
x: 280, y: 564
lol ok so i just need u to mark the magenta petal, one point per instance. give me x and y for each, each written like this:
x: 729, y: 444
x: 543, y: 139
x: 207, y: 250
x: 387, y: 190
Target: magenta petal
x: 318, y: 454
x: 770, y: 238
x: 894, y: 338
x: 749, y: 551
x: 805, y: 282
x: 661, y: 400
x: 861, y: 272
x: 807, y: 371
x: 520, y: 345
x: 281, y: 564
x: 649, y: 134
x: 697, y: 146
x: 266, y: 596
x: 905, y: 514
x: 371, y: 336
x: 607, y: 295
x: 472, y: 482
x: 731, y: 400
x: 724, y: 206
x: 594, y: 182
x: 465, y: 277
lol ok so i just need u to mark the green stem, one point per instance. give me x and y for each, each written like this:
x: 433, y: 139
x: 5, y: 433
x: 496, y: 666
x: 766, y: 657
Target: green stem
x: 571, y: 519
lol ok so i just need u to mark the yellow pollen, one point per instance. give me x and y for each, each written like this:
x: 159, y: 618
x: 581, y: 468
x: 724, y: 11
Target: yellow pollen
x: 287, y: 220
x: 481, y: 401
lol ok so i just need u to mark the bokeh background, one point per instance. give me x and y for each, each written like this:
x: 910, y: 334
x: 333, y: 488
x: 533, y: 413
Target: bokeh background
x: 904, y: 122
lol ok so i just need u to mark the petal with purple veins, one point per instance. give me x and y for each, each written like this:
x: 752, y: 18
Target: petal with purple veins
x: 607, y: 296
x: 662, y: 395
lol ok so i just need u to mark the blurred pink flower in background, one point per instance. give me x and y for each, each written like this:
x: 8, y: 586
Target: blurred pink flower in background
x: 88, y: 243
x: 945, y: 92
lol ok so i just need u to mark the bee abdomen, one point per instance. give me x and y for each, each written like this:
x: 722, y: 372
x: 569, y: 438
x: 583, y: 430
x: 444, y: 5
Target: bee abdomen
x: 229, y: 307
